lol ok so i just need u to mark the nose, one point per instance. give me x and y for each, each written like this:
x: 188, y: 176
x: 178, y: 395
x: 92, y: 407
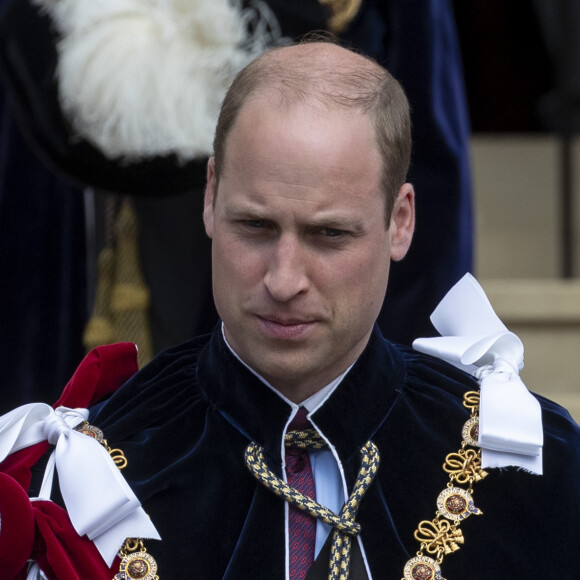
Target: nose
x: 286, y: 275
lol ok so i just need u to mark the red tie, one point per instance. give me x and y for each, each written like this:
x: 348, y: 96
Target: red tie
x: 301, y: 527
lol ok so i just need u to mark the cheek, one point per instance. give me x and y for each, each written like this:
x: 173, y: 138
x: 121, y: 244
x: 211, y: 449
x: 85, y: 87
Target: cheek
x: 234, y: 266
x: 364, y: 281
x: 226, y: 281
x: 368, y: 267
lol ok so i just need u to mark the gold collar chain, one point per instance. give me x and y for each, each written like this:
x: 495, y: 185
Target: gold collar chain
x: 136, y: 562
x: 438, y: 537
x: 442, y: 536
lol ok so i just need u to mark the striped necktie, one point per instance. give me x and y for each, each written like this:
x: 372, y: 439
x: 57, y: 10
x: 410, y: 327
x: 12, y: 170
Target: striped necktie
x: 301, y: 526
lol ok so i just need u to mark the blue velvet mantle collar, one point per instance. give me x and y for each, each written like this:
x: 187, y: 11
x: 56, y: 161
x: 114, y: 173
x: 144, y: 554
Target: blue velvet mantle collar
x: 368, y: 392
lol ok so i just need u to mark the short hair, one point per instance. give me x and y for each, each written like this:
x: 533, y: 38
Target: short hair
x: 366, y: 86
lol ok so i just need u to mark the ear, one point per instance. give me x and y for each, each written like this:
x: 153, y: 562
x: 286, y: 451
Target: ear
x: 402, y: 222
x: 209, y: 198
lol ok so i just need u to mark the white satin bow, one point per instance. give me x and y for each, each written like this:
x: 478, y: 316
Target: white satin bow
x: 475, y: 340
x: 99, y: 501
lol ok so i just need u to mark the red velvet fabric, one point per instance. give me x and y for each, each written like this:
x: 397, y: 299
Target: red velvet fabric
x: 100, y: 373
x: 16, y: 527
x: 60, y: 552
x: 41, y: 530
x: 18, y: 464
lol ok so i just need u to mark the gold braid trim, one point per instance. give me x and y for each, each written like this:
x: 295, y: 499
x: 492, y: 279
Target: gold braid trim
x: 442, y: 536
x: 136, y: 563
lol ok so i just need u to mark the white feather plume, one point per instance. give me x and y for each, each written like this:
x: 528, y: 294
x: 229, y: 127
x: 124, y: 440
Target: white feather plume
x: 140, y: 78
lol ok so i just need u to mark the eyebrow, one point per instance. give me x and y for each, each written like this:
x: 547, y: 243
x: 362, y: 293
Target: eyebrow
x: 337, y: 222
x: 327, y: 219
x: 235, y: 210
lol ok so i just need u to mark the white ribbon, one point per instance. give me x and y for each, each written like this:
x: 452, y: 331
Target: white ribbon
x: 98, y: 500
x: 475, y: 339
x: 34, y: 572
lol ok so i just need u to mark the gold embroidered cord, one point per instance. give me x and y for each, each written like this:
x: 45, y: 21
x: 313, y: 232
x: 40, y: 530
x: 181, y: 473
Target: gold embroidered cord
x: 442, y: 536
x: 343, y: 523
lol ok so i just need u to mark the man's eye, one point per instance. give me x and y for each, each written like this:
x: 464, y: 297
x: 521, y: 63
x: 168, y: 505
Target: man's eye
x: 255, y: 223
x: 332, y: 232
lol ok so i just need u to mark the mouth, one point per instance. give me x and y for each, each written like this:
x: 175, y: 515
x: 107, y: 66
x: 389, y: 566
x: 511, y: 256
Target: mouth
x: 284, y: 328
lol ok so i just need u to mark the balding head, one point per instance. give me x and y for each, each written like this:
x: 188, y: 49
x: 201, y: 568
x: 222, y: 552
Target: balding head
x: 326, y: 75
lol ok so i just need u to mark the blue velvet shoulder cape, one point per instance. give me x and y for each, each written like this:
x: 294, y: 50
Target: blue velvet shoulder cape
x: 185, y: 420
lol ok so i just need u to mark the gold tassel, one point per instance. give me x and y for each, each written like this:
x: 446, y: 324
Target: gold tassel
x: 343, y: 12
x: 99, y: 329
x: 120, y: 313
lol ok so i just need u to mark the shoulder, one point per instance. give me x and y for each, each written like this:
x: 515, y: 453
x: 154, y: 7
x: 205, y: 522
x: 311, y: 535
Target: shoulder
x: 425, y: 376
x: 156, y: 417
x: 424, y: 369
x: 163, y: 388
x: 561, y: 444
x: 438, y: 383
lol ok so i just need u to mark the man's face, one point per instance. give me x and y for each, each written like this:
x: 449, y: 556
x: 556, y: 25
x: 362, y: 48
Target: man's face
x: 301, y: 251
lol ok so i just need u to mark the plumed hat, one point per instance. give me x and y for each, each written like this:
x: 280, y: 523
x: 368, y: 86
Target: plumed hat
x: 123, y: 95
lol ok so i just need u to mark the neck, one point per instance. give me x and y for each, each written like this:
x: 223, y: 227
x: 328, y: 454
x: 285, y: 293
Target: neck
x: 292, y: 391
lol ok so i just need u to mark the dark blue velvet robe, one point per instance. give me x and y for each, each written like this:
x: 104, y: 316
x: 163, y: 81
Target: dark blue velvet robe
x: 185, y: 420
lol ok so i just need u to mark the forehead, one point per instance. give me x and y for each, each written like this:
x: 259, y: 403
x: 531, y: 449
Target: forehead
x: 308, y: 155
x: 266, y: 127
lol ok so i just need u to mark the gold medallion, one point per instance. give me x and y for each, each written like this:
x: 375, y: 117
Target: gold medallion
x: 470, y: 432
x: 422, y: 568
x: 456, y: 504
x: 90, y: 431
x: 137, y: 566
